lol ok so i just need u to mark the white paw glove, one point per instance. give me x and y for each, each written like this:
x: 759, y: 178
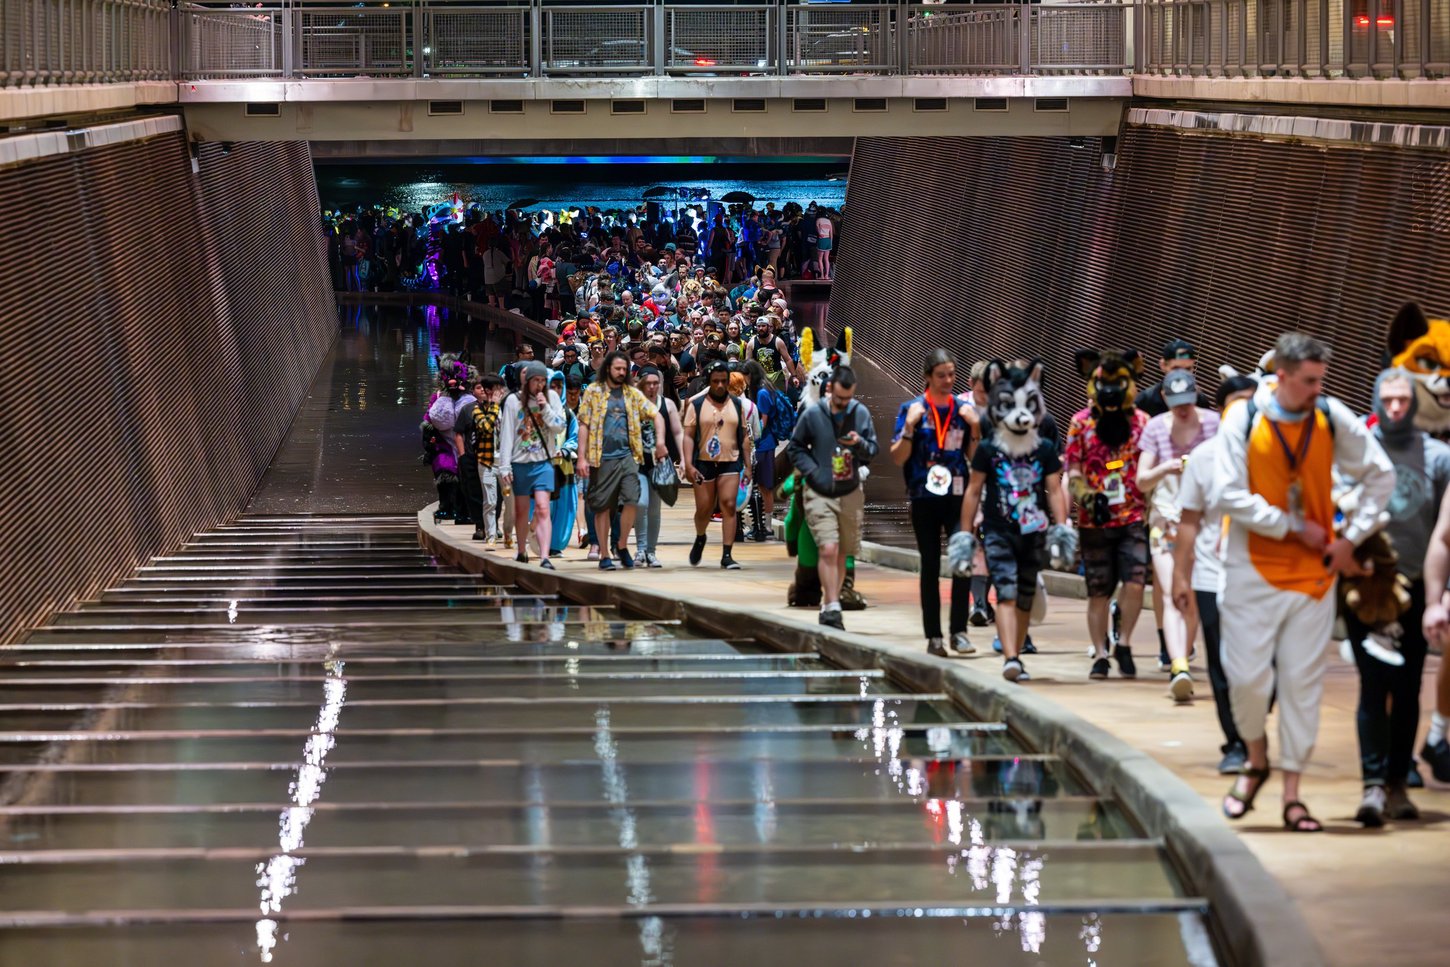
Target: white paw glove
x: 960, y: 550
x: 1062, y: 547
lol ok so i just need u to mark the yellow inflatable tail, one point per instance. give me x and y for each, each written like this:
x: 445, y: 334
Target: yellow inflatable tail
x: 808, y: 342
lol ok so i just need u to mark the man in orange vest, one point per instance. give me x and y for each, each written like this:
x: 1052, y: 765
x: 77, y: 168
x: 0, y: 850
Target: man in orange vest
x: 1277, y: 457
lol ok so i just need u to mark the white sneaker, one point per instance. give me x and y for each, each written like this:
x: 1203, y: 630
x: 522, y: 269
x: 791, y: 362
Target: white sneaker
x: 962, y: 645
x: 653, y: 561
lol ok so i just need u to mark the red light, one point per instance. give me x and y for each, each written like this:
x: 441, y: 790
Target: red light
x: 704, y: 62
x: 1363, y: 21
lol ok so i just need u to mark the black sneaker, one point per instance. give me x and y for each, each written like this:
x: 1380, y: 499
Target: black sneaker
x: 1028, y: 648
x: 546, y: 564
x: 1438, y: 758
x: 1013, y: 671
x: 1123, y: 655
x: 832, y: 619
x: 522, y: 558
x: 981, y: 616
x: 728, y: 563
x: 697, y: 551
x: 625, y: 560
x: 607, y: 564
x: 1235, y: 759
x: 479, y: 535
x: 1100, y: 669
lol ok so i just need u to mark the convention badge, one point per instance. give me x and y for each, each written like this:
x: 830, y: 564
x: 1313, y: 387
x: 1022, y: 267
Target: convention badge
x: 713, y: 448
x: 1295, y: 501
x: 1115, y: 488
x: 959, y: 486
x: 938, y: 480
x: 1031, y: 519
x: 954, y: 438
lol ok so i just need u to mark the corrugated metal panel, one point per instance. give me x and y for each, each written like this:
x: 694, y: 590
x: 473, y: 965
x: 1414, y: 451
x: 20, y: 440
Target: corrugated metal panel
x: 1002, y: 247
x: 161, y: 329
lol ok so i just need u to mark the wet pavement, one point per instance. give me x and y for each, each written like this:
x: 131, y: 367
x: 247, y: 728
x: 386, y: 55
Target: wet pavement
x: 298, y: 740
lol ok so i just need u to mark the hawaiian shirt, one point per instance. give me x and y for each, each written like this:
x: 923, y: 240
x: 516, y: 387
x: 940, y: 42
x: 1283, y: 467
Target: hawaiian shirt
x: 593, y: 407
x: 1106, y: 470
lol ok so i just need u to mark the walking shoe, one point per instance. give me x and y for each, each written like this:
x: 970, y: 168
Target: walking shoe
x: 522, y: 557
x: 652, y: 561
x: 1181, y: 685
x: 1414, y: 780
x: 1100, y: 669
x: 508, y: 543
x: 1398, y: 805
x: 1013, y: 671
x: 1164, y: 663
x: 1123, y: 655
x: 593, y: 554
x: 1028, y: 648
x: 626, y: 561
x: 697, y: 550
x: 1371, y: 813
x: 832, y: 619
x: 997, y: 645
x: 728, y: 563
x: 607, y: 564
x: 1438, y: 757
x: 479, y: 535
x: 962, y: 645
x: 1235, y: 759
x: 546, y: 564
x: 982, y: 615
x: 935, y: 646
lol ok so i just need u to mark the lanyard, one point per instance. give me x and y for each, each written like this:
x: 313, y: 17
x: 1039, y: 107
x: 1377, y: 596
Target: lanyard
x: 939, y: 426
x: 1289, y: 454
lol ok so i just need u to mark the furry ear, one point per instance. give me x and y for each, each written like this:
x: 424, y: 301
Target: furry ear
x: 1409, y: 324
x: 1087, y: 360
x: 1034, y: 370
x: 1134, y: 359
x: 994, y: 372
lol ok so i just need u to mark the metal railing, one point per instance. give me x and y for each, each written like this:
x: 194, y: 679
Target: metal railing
x: 1295, y: 38
x: 84, y: 41
x: 541, y: 39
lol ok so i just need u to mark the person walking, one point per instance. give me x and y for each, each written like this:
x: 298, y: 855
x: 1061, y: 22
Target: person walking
x: 718, y: 457
x: 1198, y: 574
x: 936, y: 435
x: 832, y: 442
x: 651, y: 505
x: 1389, y: 694
x: 528, y: 423
x: 1276, y: 465
x: 485, y: 435
x: 611, y: 450
x: 1167, y: 441
x: 565, y: 503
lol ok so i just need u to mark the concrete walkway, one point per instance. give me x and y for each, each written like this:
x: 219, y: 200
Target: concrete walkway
x: 1361, y: 891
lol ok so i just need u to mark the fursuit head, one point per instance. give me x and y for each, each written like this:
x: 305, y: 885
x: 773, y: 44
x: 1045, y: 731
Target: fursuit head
x: 819, y: 364
x: 1112, y: 390
x: 1015, y: 405
x: 1421, y: 346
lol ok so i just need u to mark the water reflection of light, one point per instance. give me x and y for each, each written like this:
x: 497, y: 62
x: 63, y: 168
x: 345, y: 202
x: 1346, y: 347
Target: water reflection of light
x: 277, y: 878
x: 626, y: 825
x: 232, y: 613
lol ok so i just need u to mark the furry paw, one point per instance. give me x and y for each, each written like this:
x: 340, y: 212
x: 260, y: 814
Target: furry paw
x: 960, y: 550
x: 1062, y: 547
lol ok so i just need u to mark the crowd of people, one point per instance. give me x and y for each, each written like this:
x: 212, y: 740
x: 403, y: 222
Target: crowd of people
x: 540, y: 262
x: 1261, y: 516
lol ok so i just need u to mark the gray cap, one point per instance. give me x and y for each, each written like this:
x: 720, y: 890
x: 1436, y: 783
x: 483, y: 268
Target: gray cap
x: 1180, y: 388
x: 535, y: 368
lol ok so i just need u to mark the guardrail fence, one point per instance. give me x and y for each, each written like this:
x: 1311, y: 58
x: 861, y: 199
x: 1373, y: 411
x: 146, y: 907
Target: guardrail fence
x: 84, y: 41
x: 1295, y: 38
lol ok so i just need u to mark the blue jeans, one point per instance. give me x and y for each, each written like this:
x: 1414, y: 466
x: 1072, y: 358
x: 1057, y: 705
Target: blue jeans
x: 647, y: 518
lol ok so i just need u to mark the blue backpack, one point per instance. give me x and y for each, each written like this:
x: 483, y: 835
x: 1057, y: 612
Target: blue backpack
x: 782, y: 416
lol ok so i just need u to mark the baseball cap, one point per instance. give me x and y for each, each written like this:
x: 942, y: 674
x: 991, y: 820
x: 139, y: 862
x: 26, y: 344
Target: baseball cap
x: 1179, y: 388
x: 1178, y: 349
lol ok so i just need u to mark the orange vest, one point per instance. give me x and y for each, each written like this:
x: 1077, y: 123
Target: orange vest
x: 1287, y: 564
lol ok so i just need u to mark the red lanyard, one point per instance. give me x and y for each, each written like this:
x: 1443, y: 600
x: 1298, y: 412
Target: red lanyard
x: 939, y: 426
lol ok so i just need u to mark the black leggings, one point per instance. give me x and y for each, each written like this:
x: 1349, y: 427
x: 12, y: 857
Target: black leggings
x: 931, y: 518
x: 1208, y: 620
x: 1389, y: 697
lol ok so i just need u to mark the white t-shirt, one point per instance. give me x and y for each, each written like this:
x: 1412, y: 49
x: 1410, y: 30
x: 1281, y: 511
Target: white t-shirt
x: 1196, y: 491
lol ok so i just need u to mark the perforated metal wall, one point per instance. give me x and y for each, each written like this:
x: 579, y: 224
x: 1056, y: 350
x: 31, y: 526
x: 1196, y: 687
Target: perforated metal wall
x: 1004, y: 247
x: 160, y: 330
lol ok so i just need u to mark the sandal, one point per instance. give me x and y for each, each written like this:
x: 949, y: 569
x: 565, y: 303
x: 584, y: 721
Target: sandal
x: 1259, y: 777
x: 1305, y: 823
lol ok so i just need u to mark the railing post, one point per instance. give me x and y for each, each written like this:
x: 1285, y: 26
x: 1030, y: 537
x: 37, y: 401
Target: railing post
x: 289, y: 40
x: 536, y: 38
x: 1024, y: 38
x: 782, y: 26
x: 659, y: 39
x: 903, y: 37
x: 413, y: 31
x: 174, y: 29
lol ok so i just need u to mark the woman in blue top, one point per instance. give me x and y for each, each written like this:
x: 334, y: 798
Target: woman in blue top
x: 935, y: 436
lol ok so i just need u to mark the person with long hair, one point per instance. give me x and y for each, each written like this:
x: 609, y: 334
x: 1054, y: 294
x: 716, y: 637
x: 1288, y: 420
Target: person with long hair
x: 528, y: 426
x: 936, y: 435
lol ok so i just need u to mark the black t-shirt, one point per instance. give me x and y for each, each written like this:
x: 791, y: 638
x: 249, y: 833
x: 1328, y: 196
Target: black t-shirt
x: 465, y: 427
x: 1014, y: 498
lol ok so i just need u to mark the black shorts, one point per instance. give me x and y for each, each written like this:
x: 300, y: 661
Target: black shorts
x: 1013, y: 562
x: 613, y: 485
x: 1113, y: 556
x: 715, y: 469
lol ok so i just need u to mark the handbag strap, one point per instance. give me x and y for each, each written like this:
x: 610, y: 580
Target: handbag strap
x: 543, y: 437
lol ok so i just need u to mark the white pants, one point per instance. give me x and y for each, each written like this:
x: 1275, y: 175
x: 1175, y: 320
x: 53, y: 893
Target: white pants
x: 1275, y: 638
x: 488, y: 480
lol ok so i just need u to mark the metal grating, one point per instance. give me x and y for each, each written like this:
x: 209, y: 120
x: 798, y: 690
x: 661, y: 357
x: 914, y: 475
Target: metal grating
x: 964, y: 40
x: 1226, y: 241
x: 852, y: 39
x: 712, y: 38
x: 154, y: 368
x: 347, y: 41
x: 232, y: 43
x: 477, y: 40
x: 1074, y: 39
x: 596, y: 39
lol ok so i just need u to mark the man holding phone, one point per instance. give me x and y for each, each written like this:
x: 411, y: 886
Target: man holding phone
x: 833, y: 441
